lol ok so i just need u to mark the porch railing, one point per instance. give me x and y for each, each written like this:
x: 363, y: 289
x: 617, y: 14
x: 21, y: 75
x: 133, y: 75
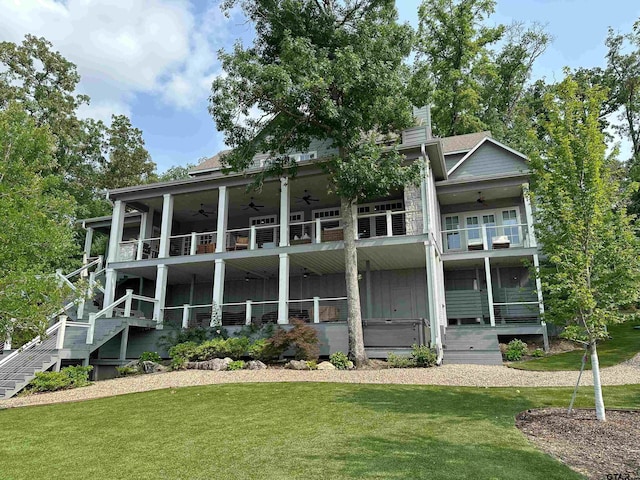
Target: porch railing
x: 319, y: 310
x: 250, y: 312
x: 485, y: 237
x: 139, y: 249
x: 193, y: 243
x: 252, y: 238
x: 510, y: 313
x: 108, y: 311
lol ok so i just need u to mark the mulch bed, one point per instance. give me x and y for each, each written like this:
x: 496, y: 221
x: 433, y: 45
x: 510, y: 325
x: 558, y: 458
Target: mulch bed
x: 598, y: 450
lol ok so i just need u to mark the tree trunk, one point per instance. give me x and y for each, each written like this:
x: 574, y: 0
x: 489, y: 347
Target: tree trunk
x: 597, y: 387
x: 354, y: 315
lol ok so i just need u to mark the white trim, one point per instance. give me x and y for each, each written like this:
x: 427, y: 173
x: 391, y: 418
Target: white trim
x: 480, y: 143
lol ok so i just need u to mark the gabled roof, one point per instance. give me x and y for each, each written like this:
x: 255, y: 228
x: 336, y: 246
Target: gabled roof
x: 479, y: 144
x: 462, y: 143
x: 211, y: 163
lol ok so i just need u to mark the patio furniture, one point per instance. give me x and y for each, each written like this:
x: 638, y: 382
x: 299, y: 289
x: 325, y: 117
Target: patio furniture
x: 242, y: 243
x: 334, y: 234
x: 500, y: 242
x: 329, y: 313
x: 475, y: 244
x: 206, y: 248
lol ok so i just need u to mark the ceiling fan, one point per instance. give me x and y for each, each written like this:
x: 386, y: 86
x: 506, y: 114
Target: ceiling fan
x: 307, y: 198
x: 252, y: 205
x: 202, y: 211
x: 481, y: 199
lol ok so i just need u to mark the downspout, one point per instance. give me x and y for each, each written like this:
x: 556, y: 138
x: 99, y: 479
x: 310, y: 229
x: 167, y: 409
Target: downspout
x: 435, y: 329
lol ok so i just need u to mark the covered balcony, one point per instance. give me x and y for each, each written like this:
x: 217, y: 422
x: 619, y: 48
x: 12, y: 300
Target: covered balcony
x: 284, y: 213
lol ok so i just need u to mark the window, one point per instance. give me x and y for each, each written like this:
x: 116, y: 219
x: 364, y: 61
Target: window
x: 510, y: 217
x: 452, y: 225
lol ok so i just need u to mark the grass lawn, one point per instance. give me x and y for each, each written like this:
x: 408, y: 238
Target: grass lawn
x: 623, y: 345
x: 289, y: 431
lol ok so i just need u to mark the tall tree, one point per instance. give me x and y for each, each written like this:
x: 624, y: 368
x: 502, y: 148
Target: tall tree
x: 329, y: 70
x: 592, y: 265
x: 126, y: 162
x: 88, y: 155
x: 37, y: 234
x: 470, y: 83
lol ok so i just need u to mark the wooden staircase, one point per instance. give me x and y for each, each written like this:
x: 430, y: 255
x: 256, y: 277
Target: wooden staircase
x: 19, y: 368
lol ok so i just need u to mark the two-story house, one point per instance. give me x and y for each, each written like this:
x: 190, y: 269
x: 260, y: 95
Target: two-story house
x: 444, y: 263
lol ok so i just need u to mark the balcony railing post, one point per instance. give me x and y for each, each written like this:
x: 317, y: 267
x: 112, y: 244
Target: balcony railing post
x: 252, y: 237
x: 389, y: 224
x: 485, y: 242
x: 316, y: 309
x: 193, y: 247
x: 248, y: 313
x: 185, y: 315
x: 318, y: 231
x: 92, y: 328
x: 61, y: 332
x: 80, y: 310
x: 140, y: 249
x: 127, y: 303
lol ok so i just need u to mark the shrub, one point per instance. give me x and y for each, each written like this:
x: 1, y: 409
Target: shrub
x: 125, y: 371
x: 236, y: 365
x: 256, y: 332
x: 265, y: 350
x: 423, y: 356
x: 68, y: 377
x: 196, y: 335
x: 150, y: 357
x: 181, y: 354
x: 516, y: 349
x: 399, y: 361
x: 312, y: 365
x: 304, y: 340
x: 538, y: 352
x: 339, y: 360
x: 221, y: 348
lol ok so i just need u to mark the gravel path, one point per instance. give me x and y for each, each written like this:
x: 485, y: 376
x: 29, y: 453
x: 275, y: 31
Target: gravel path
x: 449, y: 375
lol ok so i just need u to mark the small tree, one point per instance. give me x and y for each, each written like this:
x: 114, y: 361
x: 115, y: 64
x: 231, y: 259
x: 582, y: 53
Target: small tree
x: 591, y: 265
x: 325, y: 70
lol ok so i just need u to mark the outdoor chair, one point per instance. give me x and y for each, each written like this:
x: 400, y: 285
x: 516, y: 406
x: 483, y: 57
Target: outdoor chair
x: 242, y: 243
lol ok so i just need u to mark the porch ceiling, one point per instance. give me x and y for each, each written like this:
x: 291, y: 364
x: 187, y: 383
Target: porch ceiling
x: 388, y: 257
x: 513, y: 261
x: 469, y: 193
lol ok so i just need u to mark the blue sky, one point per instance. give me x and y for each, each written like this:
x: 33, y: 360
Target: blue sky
x: 154, y: 60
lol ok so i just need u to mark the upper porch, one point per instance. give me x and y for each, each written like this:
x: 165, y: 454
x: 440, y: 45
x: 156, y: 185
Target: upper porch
x: 229, y: 219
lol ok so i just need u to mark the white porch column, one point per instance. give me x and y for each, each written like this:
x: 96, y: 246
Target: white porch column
x: 124, y: 341
x: 545, y: 335
x: 110, y: 277
x: 529, y: 213
x: 165, y: 229
x: 432, y: 295
x: 487, y: 273
x: 284, y: 212
x: 162, y: 275
x: 146, y: 224
x: 218, y: 282
x: 88, y: 241
x: 115, y: 234
x: 283, y: 290
x: 223, y: 215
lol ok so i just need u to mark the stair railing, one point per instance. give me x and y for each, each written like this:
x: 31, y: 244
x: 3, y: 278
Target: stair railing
x: 29, y: 345
x: 127, y: 299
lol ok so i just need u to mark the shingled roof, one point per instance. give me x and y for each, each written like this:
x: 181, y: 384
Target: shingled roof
x: 458, y: 143
x: 462, y: 143
x: 211, y: 162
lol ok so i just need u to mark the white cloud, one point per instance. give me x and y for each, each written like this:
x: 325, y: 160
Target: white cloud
x: 121, y: 48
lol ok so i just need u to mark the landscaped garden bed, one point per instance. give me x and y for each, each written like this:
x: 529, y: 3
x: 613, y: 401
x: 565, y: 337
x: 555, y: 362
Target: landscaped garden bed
x: 599, y: 450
